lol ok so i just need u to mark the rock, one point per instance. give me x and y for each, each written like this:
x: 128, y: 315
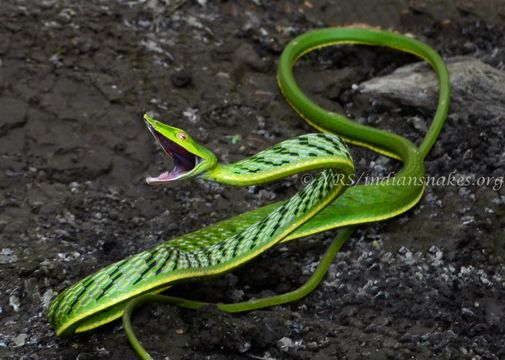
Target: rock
x: 14, y: 303
x: 47, y: 297
x: 192, y: 115
x: 285, y: 343
x: 7, y: 256
x: 243, y: 347
x: 20, y: 340
x: 477, y: 88
x: 419, y: 124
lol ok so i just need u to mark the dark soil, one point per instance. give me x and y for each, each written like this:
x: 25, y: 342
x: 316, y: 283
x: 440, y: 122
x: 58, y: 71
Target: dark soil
x: 75, y: 79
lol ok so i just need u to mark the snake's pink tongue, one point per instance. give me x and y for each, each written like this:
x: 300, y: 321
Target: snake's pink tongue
x: 163, y: 177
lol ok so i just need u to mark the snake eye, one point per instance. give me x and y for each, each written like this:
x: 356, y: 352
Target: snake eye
x: 181, y: 136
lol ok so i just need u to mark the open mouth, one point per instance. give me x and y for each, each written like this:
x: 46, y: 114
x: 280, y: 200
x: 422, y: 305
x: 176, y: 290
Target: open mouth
x: 184, y: 161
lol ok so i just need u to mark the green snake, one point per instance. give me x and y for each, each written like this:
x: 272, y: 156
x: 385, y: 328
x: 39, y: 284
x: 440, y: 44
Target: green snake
x: 328, y: 202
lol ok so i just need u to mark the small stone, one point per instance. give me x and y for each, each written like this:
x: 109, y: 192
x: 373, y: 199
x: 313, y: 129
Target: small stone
x: 285, y: 343
x: 14, y: 303
x: 403, y: 250
x: 46, y: 298
x: 467, y: 312
x: 243, y: 347
x: 420, y: 124
x: 71, y: 256
x: 20, y: 340
x: 7, y: 256
x: 192, y: 115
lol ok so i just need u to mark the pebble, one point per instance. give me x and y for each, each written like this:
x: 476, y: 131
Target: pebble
x: 20, y: 340
x: 7, y: 256
x: 192, y: 115
x: 420, y: 124
x: 285, y: 343
x: 47, y: 297
x: 243, y: 347
x: 14, y: 303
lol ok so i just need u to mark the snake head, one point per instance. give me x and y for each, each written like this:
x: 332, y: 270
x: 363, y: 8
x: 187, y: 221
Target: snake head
x: 190, y: 158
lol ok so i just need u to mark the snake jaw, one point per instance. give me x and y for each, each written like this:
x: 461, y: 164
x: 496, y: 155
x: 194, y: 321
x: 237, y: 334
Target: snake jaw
x: 184, y: 161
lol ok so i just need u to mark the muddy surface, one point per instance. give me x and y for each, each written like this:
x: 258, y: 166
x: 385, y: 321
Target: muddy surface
x: 75, y: 79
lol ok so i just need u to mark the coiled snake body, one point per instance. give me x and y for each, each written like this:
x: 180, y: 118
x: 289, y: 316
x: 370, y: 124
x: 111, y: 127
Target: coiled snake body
x: 326, y: 203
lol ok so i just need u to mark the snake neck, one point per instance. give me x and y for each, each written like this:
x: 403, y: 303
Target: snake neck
x: 304, y: 153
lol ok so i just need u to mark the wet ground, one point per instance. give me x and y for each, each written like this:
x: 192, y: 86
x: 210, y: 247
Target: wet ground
x: 75, y: 79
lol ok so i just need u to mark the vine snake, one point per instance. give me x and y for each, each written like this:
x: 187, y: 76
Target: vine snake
x: 328, y: 202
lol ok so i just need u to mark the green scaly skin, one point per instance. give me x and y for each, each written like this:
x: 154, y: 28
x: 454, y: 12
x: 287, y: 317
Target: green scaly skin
x: 119, y: 288
x: 101, y: 297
